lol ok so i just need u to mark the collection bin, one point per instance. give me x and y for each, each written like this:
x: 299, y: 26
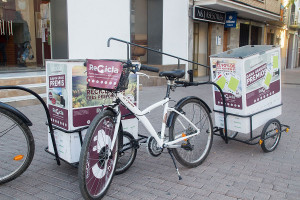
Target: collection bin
x: 250, y: 78
x: 73, y: 105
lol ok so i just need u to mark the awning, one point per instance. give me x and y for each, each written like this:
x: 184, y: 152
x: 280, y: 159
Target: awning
x: 243, y: 10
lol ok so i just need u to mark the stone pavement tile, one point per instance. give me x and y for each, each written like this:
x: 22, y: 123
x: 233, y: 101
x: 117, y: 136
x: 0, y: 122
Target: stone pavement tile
x: 47, y: 195
x: 119, y: 195
x: 69, y: 194
x: 121, y: 188
x: 162, y: 187
x: 221, y: 189
x: 49, y: 188
x: 257, y: 195
x: 177, y: 186
x: 28, y: 197
x: 197, y: 191
x: 143, y: 195
x: 242, y: 186
x: 15, y: 193
x: 292, y: 196
x: 106, y: 197
x: 185, y: 194
x: 157, y: 192
x: 246, y: 177
x: 260, y: 184
x: 59, y: 175
x: 5, y: 197
x: 217, y: 196
x: 272, y: 192
x: 25, y: 187
x: 237, y: 193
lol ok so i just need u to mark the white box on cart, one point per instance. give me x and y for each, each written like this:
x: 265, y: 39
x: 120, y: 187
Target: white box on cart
x: 72, y: 105
x: 250, y: 78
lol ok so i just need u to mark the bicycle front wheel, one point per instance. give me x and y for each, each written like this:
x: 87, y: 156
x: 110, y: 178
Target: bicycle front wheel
x: 16, y: 146
x: 195, y: 150
x: 98, y: 156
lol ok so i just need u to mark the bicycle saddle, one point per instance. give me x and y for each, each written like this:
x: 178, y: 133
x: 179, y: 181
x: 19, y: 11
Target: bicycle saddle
x: 179, y: 73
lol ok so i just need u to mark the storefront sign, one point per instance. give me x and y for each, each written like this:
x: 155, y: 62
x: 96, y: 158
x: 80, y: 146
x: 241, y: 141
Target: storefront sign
x: 230, y: 21
x: 205, y: 14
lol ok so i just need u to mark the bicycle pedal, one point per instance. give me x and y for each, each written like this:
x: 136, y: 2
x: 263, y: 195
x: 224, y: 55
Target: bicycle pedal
x: 187, y: 147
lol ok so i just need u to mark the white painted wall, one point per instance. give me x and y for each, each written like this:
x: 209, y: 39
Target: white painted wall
x: 91, y: 23
x: 175, y: 30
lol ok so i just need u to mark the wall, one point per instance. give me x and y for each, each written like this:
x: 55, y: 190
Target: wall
x: 270, y: 5
x: 217, y: 30
x: 91, y: 23
x: 59, y: 29
x: 141, y: 20
x: 155, y: 29
x: 175, y: 29
x: 234, y: 35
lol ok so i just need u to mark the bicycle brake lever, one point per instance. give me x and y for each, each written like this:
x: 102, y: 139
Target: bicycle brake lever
x: 142, y: 74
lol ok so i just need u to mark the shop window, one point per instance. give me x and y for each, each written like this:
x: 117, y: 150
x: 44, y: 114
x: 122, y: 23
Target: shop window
x: 270, y: 38
x: 256, y: 35
x: 139, y: 23
x: 17, y: 39
x: 244, y: 34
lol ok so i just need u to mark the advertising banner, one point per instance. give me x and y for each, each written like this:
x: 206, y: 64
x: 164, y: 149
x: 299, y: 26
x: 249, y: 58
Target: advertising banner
x: 103, y: 74
x: 227, y: 76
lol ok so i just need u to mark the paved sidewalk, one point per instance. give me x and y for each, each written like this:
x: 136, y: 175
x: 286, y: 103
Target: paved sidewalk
x: 231, y: 171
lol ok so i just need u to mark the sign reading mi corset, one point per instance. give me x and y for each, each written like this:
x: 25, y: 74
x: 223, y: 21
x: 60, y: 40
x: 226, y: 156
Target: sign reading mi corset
x: 205, y: 14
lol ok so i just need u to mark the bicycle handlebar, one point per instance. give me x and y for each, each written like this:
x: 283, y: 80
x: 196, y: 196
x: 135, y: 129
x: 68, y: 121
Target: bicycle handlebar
x: 185, y: 83
x: 148, y: 68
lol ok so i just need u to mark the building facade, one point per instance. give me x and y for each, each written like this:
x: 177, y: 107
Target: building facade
x: 190, y: 29
x: 247, y: 22
x: 292, y: 19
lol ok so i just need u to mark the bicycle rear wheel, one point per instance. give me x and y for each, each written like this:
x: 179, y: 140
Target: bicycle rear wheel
x: 127, y: 154
x: 16, y: 146
x: 98, y: 156
x: 195, y: 150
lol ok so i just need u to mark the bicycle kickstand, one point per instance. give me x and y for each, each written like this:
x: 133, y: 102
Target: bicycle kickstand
x: 172, y: 156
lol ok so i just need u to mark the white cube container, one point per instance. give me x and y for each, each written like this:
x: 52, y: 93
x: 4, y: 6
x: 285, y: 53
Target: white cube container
x: 250, y: 78
x: 73, y: 105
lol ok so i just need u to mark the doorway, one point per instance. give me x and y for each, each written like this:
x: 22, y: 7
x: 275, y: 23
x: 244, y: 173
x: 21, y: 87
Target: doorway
x: 200, y: 48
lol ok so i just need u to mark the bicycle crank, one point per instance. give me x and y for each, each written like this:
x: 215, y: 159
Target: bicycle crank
x: 152, y: 147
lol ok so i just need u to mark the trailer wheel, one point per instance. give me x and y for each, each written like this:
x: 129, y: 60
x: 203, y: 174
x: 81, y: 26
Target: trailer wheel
x: 270, y: 135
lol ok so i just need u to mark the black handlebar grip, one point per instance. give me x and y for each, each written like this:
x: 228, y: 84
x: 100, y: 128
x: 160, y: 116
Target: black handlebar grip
x: 148, y: 68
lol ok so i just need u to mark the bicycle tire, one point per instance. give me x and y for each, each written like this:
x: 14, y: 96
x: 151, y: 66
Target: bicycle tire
x: 96, y: 164
x: 272, y: 127
x: 126, y: 157
x: 15, y: 155
x: 197, y: 113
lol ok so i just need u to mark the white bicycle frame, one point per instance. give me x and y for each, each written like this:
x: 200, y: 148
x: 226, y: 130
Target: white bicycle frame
x: 140, y: 115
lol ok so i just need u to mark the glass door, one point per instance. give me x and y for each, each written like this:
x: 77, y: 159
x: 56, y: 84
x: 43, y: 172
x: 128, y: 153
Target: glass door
x: 17, y: 35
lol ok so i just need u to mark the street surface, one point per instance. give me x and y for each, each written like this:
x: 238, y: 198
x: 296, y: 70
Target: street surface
x: 231, y: 171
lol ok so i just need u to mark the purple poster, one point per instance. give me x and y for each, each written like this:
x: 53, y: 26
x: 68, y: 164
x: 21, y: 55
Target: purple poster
x: 256, y: 74
x: 57, y: 81
x: 84, y: 116
x: 231, y: 100
x: 103, y: 74
x: 262, y: 93
x: 59, y: 116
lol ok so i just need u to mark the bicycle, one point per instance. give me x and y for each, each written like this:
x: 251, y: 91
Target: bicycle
x: 16, y: 143
x: 189, y: 122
